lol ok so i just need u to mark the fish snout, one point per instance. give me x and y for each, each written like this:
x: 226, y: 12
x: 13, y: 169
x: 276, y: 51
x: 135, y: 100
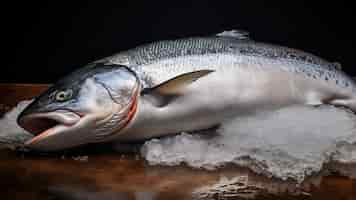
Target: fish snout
x: 46, y: 125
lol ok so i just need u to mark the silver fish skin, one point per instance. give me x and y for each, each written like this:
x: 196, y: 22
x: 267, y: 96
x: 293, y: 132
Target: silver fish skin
x: 248, y: 77
x: 190, y: 84
x: 174, y: 57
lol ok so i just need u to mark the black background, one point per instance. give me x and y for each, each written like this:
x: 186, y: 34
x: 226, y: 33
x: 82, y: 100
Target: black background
x: 44, y: 41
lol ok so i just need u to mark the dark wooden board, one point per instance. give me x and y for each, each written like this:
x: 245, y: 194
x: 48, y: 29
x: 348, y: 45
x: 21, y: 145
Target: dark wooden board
x: 11, y: 94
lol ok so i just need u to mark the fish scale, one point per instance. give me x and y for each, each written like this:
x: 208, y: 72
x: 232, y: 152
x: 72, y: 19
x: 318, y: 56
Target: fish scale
x: 293, y: 60
x: 149, y: 53
x: 147, y: 72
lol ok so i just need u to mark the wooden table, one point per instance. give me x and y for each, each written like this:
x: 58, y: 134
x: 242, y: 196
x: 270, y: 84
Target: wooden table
x: 11, y: 94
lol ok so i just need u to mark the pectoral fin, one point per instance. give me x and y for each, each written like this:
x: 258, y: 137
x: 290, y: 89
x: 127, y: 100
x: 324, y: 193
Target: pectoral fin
x: 175, y: 86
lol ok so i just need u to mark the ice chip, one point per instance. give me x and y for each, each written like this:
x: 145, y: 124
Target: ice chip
x: 12, y: 135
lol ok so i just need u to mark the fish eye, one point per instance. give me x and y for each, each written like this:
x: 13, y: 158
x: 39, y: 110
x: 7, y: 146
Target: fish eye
x: 64, y: 95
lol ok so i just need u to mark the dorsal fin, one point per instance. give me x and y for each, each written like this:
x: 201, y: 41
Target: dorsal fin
x: 235, y: 34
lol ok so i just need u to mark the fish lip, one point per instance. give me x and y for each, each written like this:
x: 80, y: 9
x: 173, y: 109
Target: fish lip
x: 44, y: 124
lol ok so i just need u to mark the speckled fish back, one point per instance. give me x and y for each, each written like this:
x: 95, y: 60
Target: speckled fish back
x: 296, y: 61
x: 149, y: 53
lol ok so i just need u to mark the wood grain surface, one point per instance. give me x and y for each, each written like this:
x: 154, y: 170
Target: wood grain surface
x: 11, y: 94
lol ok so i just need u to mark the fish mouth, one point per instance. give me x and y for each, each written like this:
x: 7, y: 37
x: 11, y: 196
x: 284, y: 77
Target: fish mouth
x: 44, y: 125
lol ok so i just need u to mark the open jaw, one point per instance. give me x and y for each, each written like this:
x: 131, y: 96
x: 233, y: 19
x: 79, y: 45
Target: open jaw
x: 44, y: 125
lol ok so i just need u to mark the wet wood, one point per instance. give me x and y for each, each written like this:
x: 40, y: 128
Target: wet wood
x: 109, y: 175
x: 11, y: 94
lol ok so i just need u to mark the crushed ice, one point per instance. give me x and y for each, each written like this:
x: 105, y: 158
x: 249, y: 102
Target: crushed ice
x: 293, y: 142
x: 228, y: 188
x: 11, y: 135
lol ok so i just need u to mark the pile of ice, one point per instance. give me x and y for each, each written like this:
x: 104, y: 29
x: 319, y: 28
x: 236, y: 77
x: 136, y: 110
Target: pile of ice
x: 11, y: 135
x: 291, y: 143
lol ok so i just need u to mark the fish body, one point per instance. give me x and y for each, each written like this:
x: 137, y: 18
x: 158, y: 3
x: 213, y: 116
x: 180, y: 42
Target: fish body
x: 189, y: 84
x: 248, y: 77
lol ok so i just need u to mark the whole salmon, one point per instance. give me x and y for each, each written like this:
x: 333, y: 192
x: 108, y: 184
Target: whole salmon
x: 191, y: 84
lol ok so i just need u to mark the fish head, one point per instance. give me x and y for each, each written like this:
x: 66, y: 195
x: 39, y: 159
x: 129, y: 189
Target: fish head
x: 86, y: 106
